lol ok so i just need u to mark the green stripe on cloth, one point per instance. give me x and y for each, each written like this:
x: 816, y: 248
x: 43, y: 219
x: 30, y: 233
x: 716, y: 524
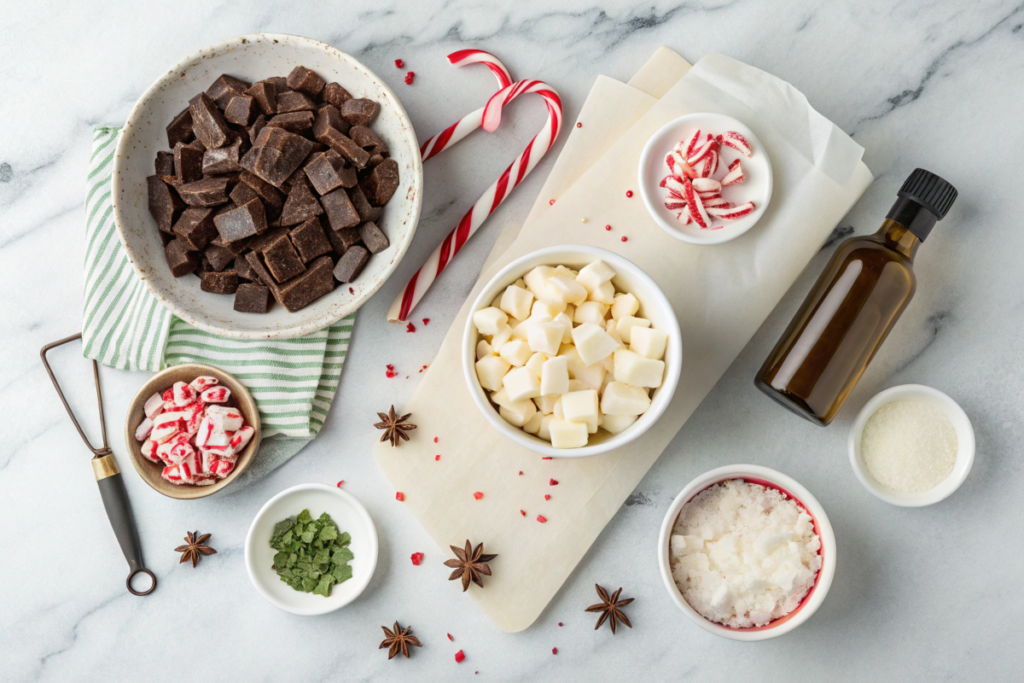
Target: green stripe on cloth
x: 293, y: 381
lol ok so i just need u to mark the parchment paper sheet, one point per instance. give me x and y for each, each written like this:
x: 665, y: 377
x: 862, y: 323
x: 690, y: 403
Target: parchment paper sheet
x: 721, y: 295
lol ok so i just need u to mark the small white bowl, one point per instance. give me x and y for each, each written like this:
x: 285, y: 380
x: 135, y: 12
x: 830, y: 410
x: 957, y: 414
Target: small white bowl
x: 253, y: 57
x: 347, y: 512
x: 629, y: 278
x: 964, y: 451
x: 756, y: 187
x: 765, y: 476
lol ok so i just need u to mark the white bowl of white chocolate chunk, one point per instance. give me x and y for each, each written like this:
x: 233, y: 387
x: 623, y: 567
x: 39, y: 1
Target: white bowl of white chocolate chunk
x: 572, y: 351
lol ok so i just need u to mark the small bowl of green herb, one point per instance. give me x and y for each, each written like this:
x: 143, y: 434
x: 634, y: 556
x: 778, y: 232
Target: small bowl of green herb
x: 312, y: 549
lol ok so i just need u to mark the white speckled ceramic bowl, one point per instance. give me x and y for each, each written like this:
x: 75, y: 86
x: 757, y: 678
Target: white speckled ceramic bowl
x: 254, y: 57
x: 755, y: 474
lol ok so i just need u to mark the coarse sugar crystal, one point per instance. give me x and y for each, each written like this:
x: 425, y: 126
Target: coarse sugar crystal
x: 909, y: 446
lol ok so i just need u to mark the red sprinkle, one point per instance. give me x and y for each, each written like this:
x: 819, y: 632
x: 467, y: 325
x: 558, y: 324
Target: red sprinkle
x: 520, y: 473
x: 541, y: 518
x: 551, y: 202
x: 416, y: 558
x: 607, y: 227
x: 545, y: 457
x: 409, y: 76
x: 459, y: 656
x: 552, y: 482
x: 478, y: 495
x: 629, y: 193
x: 554, y: 650
x: 579, y: 124
x: 340, y: 483
x: 523, y: 512
x: 559, y: 623
x: 437, y: 457
x: 547, y: 496
x: 410, y: 328
x: 435, y: 439
x: 351, y: 291
x: 399, y: 496
x: 624, y: 238
x: 391, y: 371
x: 399, y: 63
x: 426, y: 321
x: 450, y: 637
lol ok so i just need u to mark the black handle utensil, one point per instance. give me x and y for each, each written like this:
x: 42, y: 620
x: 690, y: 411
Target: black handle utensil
x: 108, y: 478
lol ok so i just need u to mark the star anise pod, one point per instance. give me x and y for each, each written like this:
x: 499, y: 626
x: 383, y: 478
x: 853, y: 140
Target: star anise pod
x: 194, y: 548
x: 471, y: 563
x: 609, y: 608
x: 394, y: 426
x: 399, y: 639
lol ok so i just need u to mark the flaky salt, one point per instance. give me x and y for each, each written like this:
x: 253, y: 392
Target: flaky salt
x: 909, y: 446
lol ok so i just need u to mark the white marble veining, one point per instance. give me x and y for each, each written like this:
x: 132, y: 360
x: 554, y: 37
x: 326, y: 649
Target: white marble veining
x: 918, y: 594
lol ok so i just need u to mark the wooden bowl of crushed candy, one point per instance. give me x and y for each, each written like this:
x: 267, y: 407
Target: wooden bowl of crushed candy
x: 152, y: 472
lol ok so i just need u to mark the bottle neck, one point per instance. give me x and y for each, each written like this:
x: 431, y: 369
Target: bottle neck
x: 899, y: 238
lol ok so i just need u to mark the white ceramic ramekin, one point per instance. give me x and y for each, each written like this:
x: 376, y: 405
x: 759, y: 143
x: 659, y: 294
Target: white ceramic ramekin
x: 629, y: 278
x: 964, y: 452
x: 754, y: 474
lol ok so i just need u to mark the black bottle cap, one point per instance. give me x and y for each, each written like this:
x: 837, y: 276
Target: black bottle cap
x: 922, y: 190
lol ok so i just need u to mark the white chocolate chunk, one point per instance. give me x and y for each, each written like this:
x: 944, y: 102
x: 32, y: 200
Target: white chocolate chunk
x: 632, y: 368
x: 612, y: 329
x: 490, y: 320
x: 519, y: 413
x: 537, y: 281
x: 546, y: 402
x: 616, y: 424
x: 490, y: 370
x: 502, y: 338
x: 648, y: 342
x: 566, y: 434
x: 516, y: 353
x: 554, y: 377
x: 500, y: 398
x: 566, y: 323
x: 566, y: 271
x: 592, y: 343
x: 533, y: 426
x: 566, y: 289
x: 625, y: 326
x: 594, y: 275
x: 581, y: 406
x: 624, y: 304
x: 483, y: 349
x: 578, y: 385
x: 623, y: 399
x: 536, y: 362
x: 590, y: 312
x: 557, y: 410
x: 546, y: 337
x: 545, y: 427
x: 516, y: 302
x: 522, y: 330
x: 604, y: 294
x: 521, y: 384
x: 548, y: 307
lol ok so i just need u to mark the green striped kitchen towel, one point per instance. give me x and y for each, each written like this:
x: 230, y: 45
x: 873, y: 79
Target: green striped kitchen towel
x: 124, y: 326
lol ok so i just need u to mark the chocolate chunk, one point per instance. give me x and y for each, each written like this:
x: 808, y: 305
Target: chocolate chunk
x: 309, y: 239
x: 276, y: 154
x: 252, y: 298
x: 306, y: 288
x: 223, y: 159
x: 359, y: 112
x: 280, y: 82
x: 291, y: 100
x: 224, y: 88
x: 236, y: 247
x: 301, y: 204
x: 180, y: 259
x: 366, y: 211
x: 208, y: 122
x: 205, y: 192
x: 305, y: 80
x: 180, y: 129
x: 241, y: 110
x: 340, y: 211
x: 282, y: 260
x: 244, y: 270
x: 195, y: 227
x: 374, y: 160
x: 220, y: 283
x: 334, y: 94
x: 164, y: 164
x: 258, y: 244
x: 219, y: 257
x: 247, y: 220
x: 380, y: 185
x: 296, y: 122
x: 188, y: 163
x: 164, y: 203
x: 328, y: 116
x: 368, y: 140
x: 254, y: 130
x: 351, y: 264
x: 203, y: 266
x: 265, y: 94
x: 375, y: 240
x: 267, y: 192
x: 345, y: 147
x: 342, y: 240
x: 328, y: 170
x: 242, y: 193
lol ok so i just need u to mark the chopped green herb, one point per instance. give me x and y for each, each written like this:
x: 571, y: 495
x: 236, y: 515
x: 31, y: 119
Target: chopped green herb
x: 312, y: 555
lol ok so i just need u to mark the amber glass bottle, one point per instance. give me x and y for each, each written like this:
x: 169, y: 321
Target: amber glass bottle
x: 859, y: 297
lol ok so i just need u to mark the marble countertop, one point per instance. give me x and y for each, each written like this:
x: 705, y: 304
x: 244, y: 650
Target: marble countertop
x: 919, y: 594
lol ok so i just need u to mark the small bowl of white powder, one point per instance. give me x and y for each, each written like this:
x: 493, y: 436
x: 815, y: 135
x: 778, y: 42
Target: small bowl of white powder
x: 746, y: 552
x: 912, y: 445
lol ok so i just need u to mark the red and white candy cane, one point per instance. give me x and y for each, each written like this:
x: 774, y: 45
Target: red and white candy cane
x: 495, y: 194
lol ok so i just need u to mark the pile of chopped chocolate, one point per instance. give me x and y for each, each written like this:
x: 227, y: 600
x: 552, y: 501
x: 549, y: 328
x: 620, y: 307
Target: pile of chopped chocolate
x: 272, y: 189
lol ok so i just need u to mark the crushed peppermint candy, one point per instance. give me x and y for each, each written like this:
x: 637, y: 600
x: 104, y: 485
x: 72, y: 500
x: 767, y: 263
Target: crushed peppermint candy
x: 410, y: 327
x: 409, y: 76
x: 399, y: 64
x: 426, y: 321
x: 399, y: 496
x: 552, y: 482
x: 391, y: 372
x: 541, y: 518
x: 416, y: 558
x: 547, y: 496
x: 459, y: 656
x: 340, y: 483
x: 478, y: 495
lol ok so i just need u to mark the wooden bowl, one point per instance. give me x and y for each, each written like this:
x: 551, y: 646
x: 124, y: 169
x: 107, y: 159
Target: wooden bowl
x: 150, y: 471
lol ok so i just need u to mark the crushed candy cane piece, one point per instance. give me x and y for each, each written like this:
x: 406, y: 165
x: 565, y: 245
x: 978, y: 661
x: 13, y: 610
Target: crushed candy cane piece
x: 215, y: 395
x: 459, y: 656
x: 552, y: 482
x: 399, y: 496
x: 478, y: 495
x: 416, y: 558
x: 144, y: 429
x: 154, y: 406
x: 149, y: 450
x: 522, y: 512
x: 731, y: 214
x: 201, y: 384
x: 731, y: 138
x: 541, y: 518
x: 450, y: 637
x: 183, y: 394
x: 735, y: 174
